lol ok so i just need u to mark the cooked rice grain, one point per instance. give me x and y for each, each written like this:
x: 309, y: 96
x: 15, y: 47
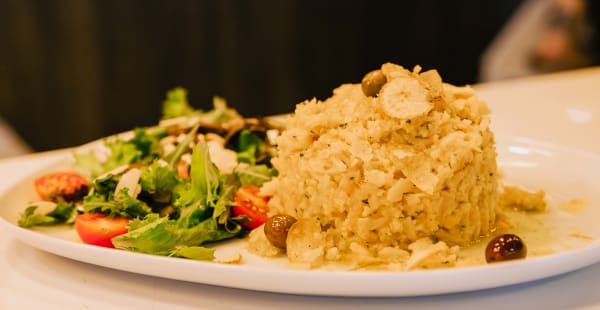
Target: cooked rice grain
x: 417, y: 161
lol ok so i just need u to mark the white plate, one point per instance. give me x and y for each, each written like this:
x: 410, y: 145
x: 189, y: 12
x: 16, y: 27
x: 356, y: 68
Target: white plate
x: 564, y: 174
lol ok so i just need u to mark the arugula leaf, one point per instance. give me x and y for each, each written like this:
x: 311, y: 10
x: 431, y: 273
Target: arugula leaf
x: 102, y: 191
x: 122, y: 205
x: 105, y: 186
x: 199, y: 196
x: 176, y: 104
x: 61, y: 214
x: 224, y: 200
x: 204, y: 174
x: 255, y: 175
x: 193, y: 214
x: 64, y: 213
x: 204, y: 179
x: 147, y: 141
x: 130, y: 207
x: 173, y: 157
x: 249, y: 146
x: 29, y: 218
x: 104, y: 200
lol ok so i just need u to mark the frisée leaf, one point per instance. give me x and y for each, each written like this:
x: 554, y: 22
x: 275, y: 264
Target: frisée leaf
x: 159, y: 182
x: 114, y: 204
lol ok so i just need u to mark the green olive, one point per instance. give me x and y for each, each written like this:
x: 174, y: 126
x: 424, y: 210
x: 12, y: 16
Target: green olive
x: 276, y: 229
x: 372, y: 83
x: 505, y: 247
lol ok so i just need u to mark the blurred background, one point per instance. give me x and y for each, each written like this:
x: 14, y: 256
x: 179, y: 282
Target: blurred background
x: 72, y: 71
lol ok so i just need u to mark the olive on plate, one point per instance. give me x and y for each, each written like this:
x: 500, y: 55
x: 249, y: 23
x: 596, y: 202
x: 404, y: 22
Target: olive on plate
x: 277, y: 227
x: 505, y: 247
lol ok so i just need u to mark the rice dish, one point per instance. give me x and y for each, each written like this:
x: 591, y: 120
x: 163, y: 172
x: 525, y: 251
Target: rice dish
x: 400, y: 177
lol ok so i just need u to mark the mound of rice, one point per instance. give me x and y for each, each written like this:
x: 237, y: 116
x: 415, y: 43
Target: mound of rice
x: 400, y: 177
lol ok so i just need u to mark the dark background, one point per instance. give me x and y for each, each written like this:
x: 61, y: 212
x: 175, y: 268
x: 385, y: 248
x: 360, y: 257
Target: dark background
x: 75, y: 70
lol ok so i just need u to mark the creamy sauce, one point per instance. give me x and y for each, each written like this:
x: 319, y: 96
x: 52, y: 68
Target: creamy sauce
x: 544, y: 233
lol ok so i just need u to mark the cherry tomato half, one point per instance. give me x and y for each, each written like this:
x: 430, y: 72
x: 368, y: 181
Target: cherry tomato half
x: 99, y: 229
x: 61, y: 186
x: 247, y: 202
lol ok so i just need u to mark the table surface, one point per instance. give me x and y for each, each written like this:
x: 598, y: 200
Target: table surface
x: 30, y: 278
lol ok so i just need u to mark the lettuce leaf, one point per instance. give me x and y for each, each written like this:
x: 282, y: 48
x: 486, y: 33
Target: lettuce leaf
x: 194, y: 252
x: 203, y: 213
x: 143, y: 147
x: 159, y: 182
x: 89, y: 164
x: 62, y: 214
x: 163, y: 236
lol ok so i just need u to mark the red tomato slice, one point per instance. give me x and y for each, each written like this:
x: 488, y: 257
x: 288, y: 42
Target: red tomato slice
x: 247, y: 202
x: 61, y: 186
x: 98, y: 229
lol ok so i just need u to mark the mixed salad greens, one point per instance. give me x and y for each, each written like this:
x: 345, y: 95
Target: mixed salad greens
x: 169, y: 189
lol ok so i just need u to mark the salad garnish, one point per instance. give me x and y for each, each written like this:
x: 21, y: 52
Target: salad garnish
x: 168, y: 189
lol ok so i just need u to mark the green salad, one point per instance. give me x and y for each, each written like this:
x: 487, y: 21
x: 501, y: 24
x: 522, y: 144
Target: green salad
x: 171, y: 189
